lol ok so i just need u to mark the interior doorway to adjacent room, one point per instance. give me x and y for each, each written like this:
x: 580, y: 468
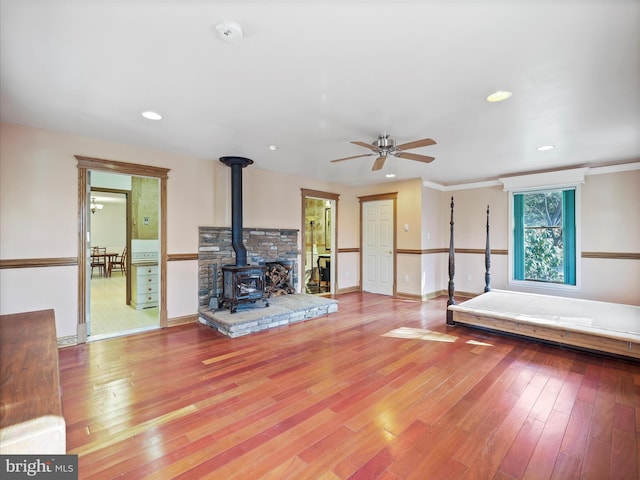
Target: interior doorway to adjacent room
x: 319, y: 213
x: 146, y: 243
x: 123, y: 225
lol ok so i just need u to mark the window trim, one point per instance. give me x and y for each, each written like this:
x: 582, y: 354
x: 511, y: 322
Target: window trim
x: 557, y: 287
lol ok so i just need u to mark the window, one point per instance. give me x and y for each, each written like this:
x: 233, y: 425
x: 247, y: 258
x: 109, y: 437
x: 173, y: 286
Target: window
x: 544, y: 236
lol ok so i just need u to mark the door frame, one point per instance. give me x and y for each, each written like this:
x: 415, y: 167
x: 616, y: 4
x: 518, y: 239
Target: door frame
x: 86, y: 164
x: 374, y: 198
x: 335, y: 197
x: 127, y: 194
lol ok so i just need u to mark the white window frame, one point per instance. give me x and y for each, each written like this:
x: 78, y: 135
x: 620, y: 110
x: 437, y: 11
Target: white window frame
x: 539, y: 183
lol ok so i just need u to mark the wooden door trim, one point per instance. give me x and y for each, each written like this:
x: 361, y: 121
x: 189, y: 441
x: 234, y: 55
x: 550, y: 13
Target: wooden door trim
x: 309, y: 193
x: 374, y: 198
x: 127, y: 194
x: 85, y: 164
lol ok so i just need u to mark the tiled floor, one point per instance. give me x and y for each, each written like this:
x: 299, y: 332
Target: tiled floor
x: 110, y: 315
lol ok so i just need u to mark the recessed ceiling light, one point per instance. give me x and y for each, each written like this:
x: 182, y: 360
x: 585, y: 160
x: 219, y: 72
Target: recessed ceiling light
x: 498, y: 96
x: 390, y: 175
x: 542, y: 148
x: 272, y: 147
x: 152, y: 115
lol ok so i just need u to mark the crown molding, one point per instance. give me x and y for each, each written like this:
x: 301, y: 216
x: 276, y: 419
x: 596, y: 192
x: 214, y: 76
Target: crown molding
x: 461, y: 186
x: 622, y: 167
x: 554, y: 179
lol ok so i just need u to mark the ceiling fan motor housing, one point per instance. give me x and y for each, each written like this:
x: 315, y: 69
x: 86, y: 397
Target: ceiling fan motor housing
x: 385, y: 142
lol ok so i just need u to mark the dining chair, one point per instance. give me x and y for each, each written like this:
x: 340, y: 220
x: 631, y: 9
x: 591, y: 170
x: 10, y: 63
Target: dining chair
x: 121, y: 261
x: 99, y: 260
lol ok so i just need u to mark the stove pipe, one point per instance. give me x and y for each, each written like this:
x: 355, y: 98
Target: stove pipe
x: 237, y: 164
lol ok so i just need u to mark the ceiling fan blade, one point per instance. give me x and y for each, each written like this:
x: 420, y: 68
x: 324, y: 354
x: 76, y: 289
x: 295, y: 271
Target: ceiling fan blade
x: 379, y: 163
x: 415, y: 156
x: 367, y: 145
x: 349, y: 158
x: 418, y: 143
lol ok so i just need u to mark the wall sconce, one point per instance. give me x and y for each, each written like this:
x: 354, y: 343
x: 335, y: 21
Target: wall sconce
x: 95, y: 206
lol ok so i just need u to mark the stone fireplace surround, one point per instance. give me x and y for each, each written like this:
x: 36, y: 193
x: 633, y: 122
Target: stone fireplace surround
x: 263, y: 245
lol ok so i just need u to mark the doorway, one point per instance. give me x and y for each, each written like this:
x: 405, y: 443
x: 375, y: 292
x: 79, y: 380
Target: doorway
x: 319, y: 259
x: 114, y: 230
x: 378, y: 220
x: 139, y: 224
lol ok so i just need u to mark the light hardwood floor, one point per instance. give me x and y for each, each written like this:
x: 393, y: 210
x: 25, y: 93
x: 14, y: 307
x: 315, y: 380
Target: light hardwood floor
x: 110, y: 315
x: 382, y: 389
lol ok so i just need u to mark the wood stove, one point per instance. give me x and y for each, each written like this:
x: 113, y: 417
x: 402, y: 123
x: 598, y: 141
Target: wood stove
x: 241, y: 283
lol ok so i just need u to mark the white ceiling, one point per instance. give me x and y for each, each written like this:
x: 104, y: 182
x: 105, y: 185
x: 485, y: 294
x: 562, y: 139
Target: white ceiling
x: 311, y: 76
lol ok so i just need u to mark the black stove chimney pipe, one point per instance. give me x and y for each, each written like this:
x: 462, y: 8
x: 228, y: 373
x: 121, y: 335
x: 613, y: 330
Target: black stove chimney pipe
x: 237, y: 164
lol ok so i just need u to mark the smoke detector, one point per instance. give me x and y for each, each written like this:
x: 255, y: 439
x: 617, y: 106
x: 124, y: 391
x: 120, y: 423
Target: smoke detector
x: 229, y: 31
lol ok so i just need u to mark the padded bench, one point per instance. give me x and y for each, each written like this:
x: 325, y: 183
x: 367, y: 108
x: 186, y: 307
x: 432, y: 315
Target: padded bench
x: 31, y: 420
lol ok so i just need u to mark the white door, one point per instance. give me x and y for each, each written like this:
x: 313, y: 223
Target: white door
x: 377, y: 240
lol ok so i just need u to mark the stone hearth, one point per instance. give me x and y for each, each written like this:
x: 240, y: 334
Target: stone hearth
x: 264, y: 245
x: 283, y: 310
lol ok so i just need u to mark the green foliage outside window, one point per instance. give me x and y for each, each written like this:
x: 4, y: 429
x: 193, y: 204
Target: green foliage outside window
x: 543, y: 236
x: 544, y: 223
x: 543, y: 256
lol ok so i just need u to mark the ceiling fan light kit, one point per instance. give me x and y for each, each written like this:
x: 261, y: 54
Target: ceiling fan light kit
x: 385, y: 146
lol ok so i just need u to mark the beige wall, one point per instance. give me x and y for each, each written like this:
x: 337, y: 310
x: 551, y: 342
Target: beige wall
x: 38, y: 219
x: 39, y: 214
x: 408, y: 211
x: 109, y: 227
x: 611, y: 213
x: 470, y: 218
x: 610, y: 224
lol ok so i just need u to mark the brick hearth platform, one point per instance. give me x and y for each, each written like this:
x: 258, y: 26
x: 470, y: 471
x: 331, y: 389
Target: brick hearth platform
x: 252, y: 318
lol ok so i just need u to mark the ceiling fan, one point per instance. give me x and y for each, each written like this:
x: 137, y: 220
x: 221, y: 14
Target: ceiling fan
x: 385, y: 146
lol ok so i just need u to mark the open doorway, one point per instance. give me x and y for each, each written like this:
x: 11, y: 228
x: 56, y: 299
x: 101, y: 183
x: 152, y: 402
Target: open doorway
x: 146, y: 214
x: 123, y: 279
x: 319, y: 260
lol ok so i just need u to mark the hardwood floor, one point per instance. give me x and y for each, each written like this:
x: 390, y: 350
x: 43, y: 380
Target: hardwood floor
x: 381, y: 389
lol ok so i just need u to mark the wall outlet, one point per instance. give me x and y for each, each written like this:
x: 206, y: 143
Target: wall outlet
x: 406, y: 278
x: 468, y: 277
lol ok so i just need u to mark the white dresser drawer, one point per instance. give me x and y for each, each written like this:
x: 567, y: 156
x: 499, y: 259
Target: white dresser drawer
x: 144, y: 286
x: 146, y: 269
x: 147, y: 283
x: 145, y: 301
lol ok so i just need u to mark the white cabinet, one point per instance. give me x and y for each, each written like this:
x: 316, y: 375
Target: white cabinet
x: 144, y: 285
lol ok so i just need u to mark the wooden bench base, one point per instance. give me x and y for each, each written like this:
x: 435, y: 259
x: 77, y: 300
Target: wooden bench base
x: 31, y: 420
x: 595, y: 326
